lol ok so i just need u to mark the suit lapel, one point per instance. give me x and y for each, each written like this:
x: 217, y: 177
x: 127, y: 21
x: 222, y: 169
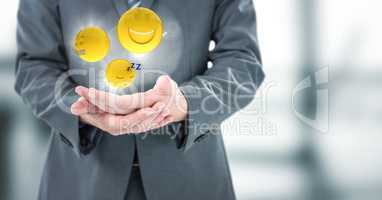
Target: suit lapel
x: 122, y: 5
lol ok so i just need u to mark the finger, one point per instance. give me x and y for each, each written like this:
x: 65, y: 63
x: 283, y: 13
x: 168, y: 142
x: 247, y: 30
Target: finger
x: 109, y: 123
x: 160, y: 91
x: 144, y: 125
x: 126, y: 104
x: 164, y: 122
x: 131, y: 120
x: 82, y: 106
x: 93, y: 119
x: 116, y: 104
x: 85, y: 107
x: 96, y: 97
x: 137, y: 100
x: 163, y: 114
x: 79, y: 107
x: 159, y: 108
x: 81, y: 90
x: 163, y: 84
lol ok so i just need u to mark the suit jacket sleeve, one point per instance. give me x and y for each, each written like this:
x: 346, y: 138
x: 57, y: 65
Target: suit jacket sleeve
x: 42, y: 75
x: 235, y: 76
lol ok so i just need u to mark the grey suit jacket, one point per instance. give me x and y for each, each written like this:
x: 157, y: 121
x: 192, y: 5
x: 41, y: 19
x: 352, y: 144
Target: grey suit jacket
x: 184, y: 160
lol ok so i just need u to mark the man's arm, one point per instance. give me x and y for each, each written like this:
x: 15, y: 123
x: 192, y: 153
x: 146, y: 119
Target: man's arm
x: 40, y: 63
x: 233, y: 80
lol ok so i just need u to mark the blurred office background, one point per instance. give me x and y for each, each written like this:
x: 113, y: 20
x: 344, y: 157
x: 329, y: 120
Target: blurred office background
x: 313, y: 133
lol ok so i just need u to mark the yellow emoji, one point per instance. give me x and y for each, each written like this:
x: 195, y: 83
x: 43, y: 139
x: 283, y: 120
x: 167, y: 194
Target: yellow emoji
x: 92, y: 44
x: 140, y: 30
x: 120, y: 73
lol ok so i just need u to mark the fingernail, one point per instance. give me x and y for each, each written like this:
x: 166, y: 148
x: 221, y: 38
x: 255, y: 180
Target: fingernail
x: 73, y: 110
x: 78, y: 89
x: 81, y: 99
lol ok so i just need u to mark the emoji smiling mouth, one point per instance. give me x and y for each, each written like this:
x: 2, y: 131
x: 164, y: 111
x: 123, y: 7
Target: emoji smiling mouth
x: 141, y: 37
x: 148, y: 33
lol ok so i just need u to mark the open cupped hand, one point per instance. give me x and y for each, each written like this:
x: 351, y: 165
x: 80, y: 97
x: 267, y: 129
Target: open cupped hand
x: 135, y: 113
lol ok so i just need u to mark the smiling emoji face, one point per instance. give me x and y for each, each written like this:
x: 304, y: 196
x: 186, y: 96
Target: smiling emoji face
x: 91, y: 44
x: 140, y: 30
x: 120, y: 73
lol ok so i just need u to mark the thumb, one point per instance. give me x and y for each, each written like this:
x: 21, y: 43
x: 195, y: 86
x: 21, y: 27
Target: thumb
x: 163, y: 84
